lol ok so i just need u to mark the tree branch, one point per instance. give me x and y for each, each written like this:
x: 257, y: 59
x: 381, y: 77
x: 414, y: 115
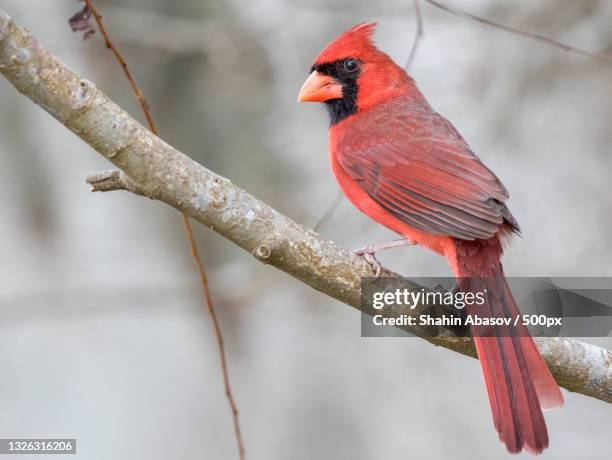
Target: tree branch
x: 195, y: 253
x: 159, y: 171
x: 532, y: 35
x: 418, y: 35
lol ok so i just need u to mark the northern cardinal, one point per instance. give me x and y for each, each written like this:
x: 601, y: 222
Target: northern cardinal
x: 407, y: 167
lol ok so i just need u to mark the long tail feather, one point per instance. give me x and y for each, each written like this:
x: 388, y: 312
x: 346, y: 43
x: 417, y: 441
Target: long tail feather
x: 518, y: 382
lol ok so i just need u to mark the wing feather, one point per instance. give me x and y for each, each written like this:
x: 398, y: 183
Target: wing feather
x: 424, y: 174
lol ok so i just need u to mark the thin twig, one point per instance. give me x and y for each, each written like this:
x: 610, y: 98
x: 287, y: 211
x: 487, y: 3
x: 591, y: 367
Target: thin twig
x: 218, y: 333
x: 535, y: 36
x: 188, y: 231
x: 128, y: 74
x: 331, y: 210
x: 418, y: 35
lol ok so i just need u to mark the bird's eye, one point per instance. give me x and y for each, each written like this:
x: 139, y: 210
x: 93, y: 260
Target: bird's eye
x: 351, y: 65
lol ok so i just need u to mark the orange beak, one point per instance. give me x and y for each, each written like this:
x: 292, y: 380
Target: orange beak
x: 320, y: 88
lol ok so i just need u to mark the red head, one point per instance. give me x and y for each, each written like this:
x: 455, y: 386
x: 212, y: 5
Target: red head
x: 351, y: 74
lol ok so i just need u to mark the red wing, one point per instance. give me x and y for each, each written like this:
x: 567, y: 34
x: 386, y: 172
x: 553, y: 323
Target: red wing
x: 429, y: 180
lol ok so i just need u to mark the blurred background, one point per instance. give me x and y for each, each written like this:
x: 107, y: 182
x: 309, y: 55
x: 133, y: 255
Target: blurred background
x: 103, y: 334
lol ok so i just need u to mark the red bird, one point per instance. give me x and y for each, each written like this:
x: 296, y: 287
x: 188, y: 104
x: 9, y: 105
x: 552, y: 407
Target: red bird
x: 407, y: 167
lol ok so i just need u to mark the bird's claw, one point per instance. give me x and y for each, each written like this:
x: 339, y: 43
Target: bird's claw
x: 369, y: 252
x: 369, y: 255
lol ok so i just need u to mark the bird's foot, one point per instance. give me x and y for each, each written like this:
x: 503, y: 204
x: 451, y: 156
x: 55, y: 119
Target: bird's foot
x: 369, y: 252
x: 370, y: 257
